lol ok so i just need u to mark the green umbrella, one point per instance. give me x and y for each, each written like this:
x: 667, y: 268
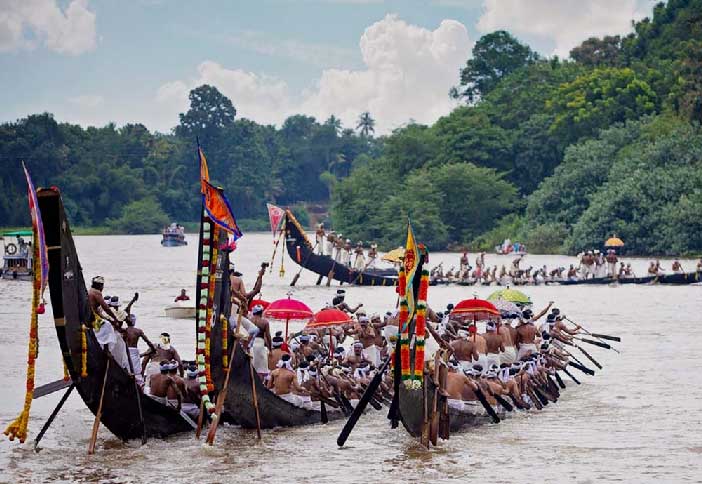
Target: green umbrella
x: 512, y: 295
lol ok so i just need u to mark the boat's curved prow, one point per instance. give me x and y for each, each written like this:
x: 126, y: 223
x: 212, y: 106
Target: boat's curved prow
x: 302, y: 252
x: 69, y: 301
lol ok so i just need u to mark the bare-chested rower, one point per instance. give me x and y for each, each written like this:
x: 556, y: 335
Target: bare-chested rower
x: 283, y: 381
x: 98, y: 306
x: 464, y: 350
x: 508, y: 335
x: 132, y: 335
x: 493, y: 343
x: 526, y: 332
x: 164, y: 387
x: 163, y: 351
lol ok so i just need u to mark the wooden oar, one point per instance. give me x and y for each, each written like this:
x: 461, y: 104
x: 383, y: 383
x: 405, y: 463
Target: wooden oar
x: 137, y: 392
x: 319, y: 280
x: 98, y: 414
x: 222, y: 394
x: 565, y: 370
x: 323, y: 412
x: 53, y: 416
x: 255, y: 399
x: 49, y: 388
x: 505, y: 404
x: 598, y: 336
x: 362, y: 403
x: 330, y: 274
x: 424, y: 438
x: 606, y: 336
x: 200, y: 419
x: 582, y: 368
x: 537, y: 403
x: 560, y: 381
x: 488, y: 408
x: 589, y: 357
x: 302, y: 266
x: 595, y: 343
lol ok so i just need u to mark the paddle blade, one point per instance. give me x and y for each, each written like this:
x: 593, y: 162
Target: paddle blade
x: 323, y: 408
x: 362, y: 403
x: 560, y: 381
x: 488, y: 408
x: 607, y: 337
x: 294, y: 281
x: 582, y: 368
x: 596, y: 343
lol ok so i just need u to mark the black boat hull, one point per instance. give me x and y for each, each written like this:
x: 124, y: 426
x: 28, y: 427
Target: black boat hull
x: 324, y: 265
x: 69, y: 301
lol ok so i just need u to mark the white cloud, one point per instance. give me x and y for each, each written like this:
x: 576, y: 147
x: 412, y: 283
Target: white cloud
x: 407, y: 75
x: 566, y: 23
x: 24, y: 24
x: 87, y: 101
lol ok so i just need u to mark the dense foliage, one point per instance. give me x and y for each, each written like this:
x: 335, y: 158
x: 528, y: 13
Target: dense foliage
x: 556, y: 153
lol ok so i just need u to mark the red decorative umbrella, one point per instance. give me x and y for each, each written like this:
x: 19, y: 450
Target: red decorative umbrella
x: 476, y: 309
x: 328, y: 317
x: 259, y: 302
x: 287, y: 309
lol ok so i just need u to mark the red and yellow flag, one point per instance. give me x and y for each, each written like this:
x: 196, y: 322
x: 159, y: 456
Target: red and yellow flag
x: 215, y: 202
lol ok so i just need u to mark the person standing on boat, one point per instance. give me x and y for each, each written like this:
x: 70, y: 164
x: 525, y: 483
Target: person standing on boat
x: 526, y: 332
x: 339, y: 247
x: 494, y: 344
x: 320, y: 237
x: 612, y: 260
x: 132, y: 335
x: 359, y: 262
x: 464, y: 263
x: 331, y: 239
x: 505, y: 330
x: 183, y: 296
x: 372, y: 255
x: 262, y: 343
x: 99, y: 308
x: 599, y: 264
x: 102, y: 313
x: 677, y: 267
x: 346, y: 257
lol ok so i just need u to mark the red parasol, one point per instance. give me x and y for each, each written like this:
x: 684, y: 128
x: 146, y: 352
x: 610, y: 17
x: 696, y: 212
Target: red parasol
x: 328, y: 317
x: 259, y: 302
x: 476, y: 309
x: 287, y: 309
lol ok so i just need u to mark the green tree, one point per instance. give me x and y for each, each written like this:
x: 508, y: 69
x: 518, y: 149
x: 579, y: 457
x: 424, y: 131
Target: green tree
x: 209, y: 112
x: 495, y: 56
x: 143, y: 216
x: 595, y: 52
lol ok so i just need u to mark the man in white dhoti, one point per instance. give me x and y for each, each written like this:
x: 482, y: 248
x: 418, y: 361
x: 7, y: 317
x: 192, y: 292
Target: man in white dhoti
x: 132, y: 336
x: 359, y: 262
x: 320, y: 238
x: 283, y: 381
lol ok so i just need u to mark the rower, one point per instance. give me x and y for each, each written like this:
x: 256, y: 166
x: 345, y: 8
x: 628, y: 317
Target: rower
x: 494, y: 344
x: 356, y: 357
x: 505, y: 330
x: 277, y: 350
x: 98, y: 307
x: 162, y: 352
x: 191, y: 397
x: 464, y: 350
x: 460, y: 390
x: 526, y: 332
x: 677, y: 267
x: 283, y: 381
x: 346, y: 256
x: 132, y: 335
x: 183, y: 296
x: 338, y: 302
x: 164, y: 388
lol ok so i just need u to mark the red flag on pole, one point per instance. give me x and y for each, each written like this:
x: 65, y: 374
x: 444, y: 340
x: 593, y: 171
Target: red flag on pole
x: 275, y: 214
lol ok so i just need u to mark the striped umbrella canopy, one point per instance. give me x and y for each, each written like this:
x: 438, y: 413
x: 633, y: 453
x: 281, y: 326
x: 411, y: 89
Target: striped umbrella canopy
x: 511, y: 295
x: 476, y: 309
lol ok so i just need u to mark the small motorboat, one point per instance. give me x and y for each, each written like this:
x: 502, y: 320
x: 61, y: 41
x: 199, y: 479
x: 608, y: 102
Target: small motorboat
x: 17, y: 257
x: 173, y: 236
x: 180, y: 310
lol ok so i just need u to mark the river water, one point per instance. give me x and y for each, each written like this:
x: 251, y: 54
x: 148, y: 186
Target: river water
x: 637, y: 420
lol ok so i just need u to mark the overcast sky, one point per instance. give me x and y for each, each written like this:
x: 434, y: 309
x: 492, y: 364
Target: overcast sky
x: 95, y: 61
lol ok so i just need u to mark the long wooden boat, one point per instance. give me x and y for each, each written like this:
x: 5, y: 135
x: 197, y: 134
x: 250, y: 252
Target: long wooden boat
x: 238, y: 406
x: 69, y: 301
x: 300, y: 249
x: 667, y: 279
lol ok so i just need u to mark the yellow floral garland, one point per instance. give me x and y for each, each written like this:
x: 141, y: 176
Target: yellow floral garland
x: 18, y: 428
x: 83, y: 351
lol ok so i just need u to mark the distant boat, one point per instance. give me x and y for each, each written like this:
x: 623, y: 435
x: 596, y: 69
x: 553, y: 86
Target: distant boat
x: 507, y: 247
x: 181, y: 310
x: 173, y: 236
x: 17, y: 256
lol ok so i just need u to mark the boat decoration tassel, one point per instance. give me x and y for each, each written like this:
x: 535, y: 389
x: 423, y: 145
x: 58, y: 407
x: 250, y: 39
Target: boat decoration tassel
x: 225, y: 341
x: 406, y: 371
x: 18, y: 428
x: 205, y: 295
x: 83, y: 351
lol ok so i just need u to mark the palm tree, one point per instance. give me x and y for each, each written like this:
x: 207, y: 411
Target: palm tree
x: 366, y: 124
x: 334, y: 122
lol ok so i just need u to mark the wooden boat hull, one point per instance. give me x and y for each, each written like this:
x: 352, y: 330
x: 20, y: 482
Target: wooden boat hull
x: 324, y: 265
x: 668, y: 279
x: 180, y: 312
x: 69, y: 301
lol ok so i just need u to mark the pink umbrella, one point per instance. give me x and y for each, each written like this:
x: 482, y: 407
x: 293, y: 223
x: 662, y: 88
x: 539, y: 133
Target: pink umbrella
x: 287, y: 309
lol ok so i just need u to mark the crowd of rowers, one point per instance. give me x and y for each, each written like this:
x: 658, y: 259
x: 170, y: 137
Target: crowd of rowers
x: 592, y: 264
x: 511, y: 357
